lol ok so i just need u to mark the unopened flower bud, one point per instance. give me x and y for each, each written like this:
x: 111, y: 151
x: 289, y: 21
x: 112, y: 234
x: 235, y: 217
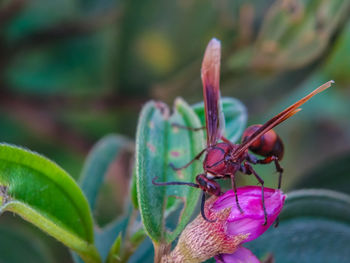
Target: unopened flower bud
x: 202, y: 240
x: 252, y: 220
x: 241, y: 255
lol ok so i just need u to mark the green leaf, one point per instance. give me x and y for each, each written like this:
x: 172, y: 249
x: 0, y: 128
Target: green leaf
x: 157, y: 145
x: 280, y: 43
x: 103, y: 154
x: 97, y: 163
x: 314, y: 227
x: 235, y: 117
x: 138, y: 237
x: 113, y: 256
x: 130, y: 233
x: 335, y: 66
x: 133, y: 190
x: 45, y: 195
x: 106, y: 237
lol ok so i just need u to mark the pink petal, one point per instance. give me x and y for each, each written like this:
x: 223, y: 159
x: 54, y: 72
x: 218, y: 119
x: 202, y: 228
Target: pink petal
x: 251, y: 222
x: 241, y: 255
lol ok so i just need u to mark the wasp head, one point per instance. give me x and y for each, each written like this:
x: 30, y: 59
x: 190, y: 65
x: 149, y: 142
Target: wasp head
x: 208, y: 185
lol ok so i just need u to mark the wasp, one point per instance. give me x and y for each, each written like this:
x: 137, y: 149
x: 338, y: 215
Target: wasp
x: 223, y: 159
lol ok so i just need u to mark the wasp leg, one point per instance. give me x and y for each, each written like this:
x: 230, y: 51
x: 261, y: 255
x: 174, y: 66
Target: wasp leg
x: 187, y: 128
x: 188, y: 164
x: 233, y: 182
x: 173, y: 183
x: 197, y: 158
x: 252, y: 159
x: 248, y: 169
x: 202, y: 209
x: 270, y: 259
x: 279, y: 169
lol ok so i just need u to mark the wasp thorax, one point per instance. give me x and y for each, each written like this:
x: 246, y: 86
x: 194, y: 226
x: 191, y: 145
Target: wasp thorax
x: 215, y: 160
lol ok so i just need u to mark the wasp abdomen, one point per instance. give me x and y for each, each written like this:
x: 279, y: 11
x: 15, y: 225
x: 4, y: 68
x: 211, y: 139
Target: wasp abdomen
x: 269, y: 144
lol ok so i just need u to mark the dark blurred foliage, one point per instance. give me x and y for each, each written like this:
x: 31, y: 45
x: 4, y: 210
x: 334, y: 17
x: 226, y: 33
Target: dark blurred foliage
x: 74, y: 71
x: 22, y: 242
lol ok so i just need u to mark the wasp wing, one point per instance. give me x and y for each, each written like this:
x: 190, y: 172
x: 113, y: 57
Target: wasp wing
x: 282, y: 116
x: 210, y: 75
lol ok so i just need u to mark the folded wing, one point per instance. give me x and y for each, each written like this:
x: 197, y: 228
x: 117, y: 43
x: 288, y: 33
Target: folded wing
x: 210, y: 74
x: 282, y: 116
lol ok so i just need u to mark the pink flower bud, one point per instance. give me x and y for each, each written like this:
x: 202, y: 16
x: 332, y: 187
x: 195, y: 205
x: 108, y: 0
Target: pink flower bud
x: 241, y: 255
x: 202, y: 240
x: 251, y: 222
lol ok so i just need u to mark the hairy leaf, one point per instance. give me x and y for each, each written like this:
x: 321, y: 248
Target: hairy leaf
x: 158, y: 144
x: 45, y: 195
x: 98, y: 161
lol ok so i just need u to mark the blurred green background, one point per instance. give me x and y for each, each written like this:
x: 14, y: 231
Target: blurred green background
x: 74, y: 71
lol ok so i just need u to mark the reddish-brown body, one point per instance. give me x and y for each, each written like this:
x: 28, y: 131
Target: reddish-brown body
x: 269, y: 144
x: 218, y: 161
x: 225, y: 159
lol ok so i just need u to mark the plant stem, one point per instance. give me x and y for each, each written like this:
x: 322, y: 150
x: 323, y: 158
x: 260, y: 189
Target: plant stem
x: 160, y: 250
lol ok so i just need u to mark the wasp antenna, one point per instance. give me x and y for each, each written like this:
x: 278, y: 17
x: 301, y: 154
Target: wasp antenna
x: 202, y: 209
x: 154, y: 180
x: 173, y: 183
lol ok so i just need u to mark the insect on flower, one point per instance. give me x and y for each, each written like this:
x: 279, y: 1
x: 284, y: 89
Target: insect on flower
x: 223, y: 158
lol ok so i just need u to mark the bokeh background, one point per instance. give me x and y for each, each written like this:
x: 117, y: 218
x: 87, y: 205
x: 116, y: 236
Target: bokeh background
x: 74, y: 71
